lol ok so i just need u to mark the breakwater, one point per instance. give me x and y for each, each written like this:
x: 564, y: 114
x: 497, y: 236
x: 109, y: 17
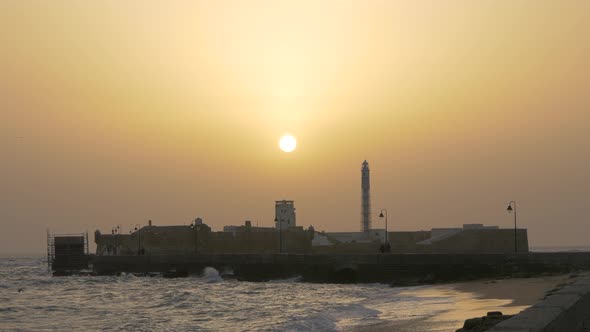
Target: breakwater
x: 397, y: 269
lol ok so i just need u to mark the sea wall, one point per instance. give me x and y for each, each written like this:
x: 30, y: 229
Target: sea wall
x: 402, y: 269
x: 566, y: 310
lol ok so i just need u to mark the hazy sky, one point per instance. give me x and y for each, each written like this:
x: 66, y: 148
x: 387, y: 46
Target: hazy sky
x: 116, y: 112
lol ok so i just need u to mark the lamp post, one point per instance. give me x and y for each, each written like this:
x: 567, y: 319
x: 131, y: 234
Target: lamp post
x: 115, y: 231
x: 280, y: 235
x: 510, y: 209
x: 118, y: 232
x: 196, y: 228
x: 138, y: 230
x: 381, y: 216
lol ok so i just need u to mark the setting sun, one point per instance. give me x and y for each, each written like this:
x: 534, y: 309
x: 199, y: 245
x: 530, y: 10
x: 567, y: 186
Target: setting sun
x: 288, y: 143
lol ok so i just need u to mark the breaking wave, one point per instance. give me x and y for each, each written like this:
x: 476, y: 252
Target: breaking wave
x: 211, y: 275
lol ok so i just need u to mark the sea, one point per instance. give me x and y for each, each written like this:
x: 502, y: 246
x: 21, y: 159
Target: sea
x: 31, y: 299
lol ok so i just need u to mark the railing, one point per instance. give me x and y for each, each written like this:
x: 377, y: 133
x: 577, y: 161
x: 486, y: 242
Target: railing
x: 50, y: 250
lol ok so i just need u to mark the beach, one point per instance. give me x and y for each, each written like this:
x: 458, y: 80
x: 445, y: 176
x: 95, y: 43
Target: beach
x: 474, y: 299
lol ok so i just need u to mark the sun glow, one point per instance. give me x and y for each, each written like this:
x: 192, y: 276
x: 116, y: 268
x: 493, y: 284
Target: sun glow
x: 288, y: 143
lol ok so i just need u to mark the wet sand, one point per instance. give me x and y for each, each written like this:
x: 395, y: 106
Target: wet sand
x: 475, y: 299
x: 521, y: 292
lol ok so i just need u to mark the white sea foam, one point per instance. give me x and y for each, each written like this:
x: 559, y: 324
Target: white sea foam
x: 211, y: 275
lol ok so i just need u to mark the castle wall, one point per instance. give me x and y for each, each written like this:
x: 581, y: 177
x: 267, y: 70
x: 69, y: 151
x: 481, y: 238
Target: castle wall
x: 482, y: 241
x: 184, y: 240
x: 407, y: 242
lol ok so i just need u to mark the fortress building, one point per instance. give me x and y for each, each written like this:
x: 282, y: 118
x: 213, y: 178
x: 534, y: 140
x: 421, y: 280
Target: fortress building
x: 287, y: 237
x: 366, y: 199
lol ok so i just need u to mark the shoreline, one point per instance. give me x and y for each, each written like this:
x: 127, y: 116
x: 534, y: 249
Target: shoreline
x: 529, y: 290
x: 474, y: 299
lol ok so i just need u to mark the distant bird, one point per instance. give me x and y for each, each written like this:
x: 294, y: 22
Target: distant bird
x: 20, y: 290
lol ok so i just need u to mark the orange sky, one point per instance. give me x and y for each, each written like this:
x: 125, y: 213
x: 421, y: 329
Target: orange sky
x: 170, y: 110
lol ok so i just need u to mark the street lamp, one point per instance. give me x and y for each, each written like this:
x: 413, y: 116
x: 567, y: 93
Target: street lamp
x: 381, y: 216
x: 116, y: 230
x: 280, y: 235
x: 197, y: 228
x: 510, y: 209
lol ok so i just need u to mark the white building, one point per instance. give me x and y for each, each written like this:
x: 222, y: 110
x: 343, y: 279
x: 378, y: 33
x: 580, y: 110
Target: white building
x: 285, y: 214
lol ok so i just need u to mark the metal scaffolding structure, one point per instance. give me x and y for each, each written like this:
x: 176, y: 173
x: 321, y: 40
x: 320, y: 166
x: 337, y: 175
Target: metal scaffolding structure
x: 71, y: 249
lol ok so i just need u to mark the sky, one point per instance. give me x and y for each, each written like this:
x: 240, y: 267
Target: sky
x: 118, y: 112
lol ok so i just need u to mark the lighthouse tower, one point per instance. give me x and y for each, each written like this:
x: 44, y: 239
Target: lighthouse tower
x: 366, y: 199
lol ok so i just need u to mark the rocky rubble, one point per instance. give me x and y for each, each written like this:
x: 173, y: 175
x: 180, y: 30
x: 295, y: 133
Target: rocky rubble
x: 481, y: 324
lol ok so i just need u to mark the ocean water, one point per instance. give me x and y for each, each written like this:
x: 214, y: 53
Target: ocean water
x: 32, y: 300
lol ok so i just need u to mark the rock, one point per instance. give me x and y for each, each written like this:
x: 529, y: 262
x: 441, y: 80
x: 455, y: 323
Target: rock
x: 483, y: 323
x: 472, y: 323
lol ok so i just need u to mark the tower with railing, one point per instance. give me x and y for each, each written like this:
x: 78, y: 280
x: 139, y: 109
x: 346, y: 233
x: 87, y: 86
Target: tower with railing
x: 365, y: 199
x: 67, y: 251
